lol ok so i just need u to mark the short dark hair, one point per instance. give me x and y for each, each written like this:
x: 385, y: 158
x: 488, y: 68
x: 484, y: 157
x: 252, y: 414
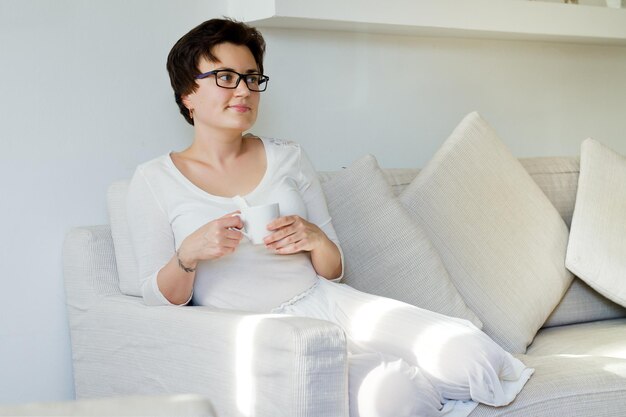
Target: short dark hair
x: 185, y: 56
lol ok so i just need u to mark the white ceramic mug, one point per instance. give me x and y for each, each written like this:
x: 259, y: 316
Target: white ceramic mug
x: 255, y: 220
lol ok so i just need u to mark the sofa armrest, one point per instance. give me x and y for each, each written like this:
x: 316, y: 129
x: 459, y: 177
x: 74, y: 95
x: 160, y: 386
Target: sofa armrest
x: 247, y: 364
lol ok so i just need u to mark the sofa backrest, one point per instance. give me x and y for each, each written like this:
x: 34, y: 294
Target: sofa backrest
x: 124, y: 254
x: 558, y: 179
x: 556, y: 176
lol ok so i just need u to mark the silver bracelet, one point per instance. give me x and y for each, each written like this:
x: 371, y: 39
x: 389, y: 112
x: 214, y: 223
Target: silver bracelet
x: 183, y: 267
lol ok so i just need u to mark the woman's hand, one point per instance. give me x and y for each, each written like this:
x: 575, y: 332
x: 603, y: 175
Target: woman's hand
x: 211, y: 241
x: 293, y: 234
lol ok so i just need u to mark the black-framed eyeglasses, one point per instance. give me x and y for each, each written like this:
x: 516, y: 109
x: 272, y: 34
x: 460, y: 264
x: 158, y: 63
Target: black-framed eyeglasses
x: 230, y: 79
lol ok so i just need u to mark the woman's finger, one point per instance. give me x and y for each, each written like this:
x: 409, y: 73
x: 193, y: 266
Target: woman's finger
x: 285, y: 241
x: 279, y: 235
x: 281, y: 222
x: 233, y: 234
x: 289, y: 249
x: 230, y: 220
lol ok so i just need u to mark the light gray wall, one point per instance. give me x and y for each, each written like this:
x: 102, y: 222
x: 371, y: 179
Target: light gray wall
x: 346, y: 94
x: 85, y: 98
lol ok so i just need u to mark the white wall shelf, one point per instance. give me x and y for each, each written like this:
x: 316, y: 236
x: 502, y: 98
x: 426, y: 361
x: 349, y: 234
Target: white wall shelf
x: 492, y: 19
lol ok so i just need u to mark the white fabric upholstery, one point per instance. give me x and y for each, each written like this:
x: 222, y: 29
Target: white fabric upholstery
x: 397, y: 178
x: 558, y: 179
x: 600, y: 338
x: 182, y: 405
x: 385, y: 250
x: 580, y: 371
x: 597, y: 247
x: 501, y: 240
x: 124, y: 255
x: 568, y: 386
x: 581, y: 304
x: 286, y: 366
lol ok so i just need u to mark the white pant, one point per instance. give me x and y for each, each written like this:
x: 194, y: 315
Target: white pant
x: 407, y: 361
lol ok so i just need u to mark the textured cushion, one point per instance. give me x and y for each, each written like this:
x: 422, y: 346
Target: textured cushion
x: 597, y: 246
x: 501, y: 240
x: 124, y: 255
x: 385, y: 250
x: 397, y: 178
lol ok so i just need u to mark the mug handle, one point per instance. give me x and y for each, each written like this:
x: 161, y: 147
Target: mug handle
x: 242, y: 229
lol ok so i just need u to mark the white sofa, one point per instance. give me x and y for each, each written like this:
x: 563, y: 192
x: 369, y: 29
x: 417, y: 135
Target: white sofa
x: 476, y: 234
x: 265, y: 365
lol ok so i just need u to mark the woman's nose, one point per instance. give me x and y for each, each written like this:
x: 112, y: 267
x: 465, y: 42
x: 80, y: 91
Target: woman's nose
x: 242, y: 89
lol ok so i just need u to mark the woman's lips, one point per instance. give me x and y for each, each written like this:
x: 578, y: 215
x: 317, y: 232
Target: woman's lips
x: 239, y: 108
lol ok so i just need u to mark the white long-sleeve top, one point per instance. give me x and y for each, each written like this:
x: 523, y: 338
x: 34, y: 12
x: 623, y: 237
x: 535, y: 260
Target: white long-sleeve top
x: 164, y: 207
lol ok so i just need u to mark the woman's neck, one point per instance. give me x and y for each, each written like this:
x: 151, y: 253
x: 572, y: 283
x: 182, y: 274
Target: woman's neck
x: 216, y: 149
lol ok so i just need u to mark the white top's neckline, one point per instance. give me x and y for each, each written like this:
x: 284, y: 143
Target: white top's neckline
x: 269, y: 160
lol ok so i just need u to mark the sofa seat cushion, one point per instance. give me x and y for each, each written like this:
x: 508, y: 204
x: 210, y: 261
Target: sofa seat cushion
x: 564, y: 385
x: 501, y: 240
x: 599, y: 338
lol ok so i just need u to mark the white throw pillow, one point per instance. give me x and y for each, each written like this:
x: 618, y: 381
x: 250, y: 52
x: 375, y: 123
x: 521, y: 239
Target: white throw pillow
x: 501, y: 240
x: 386, y: 252
x: 597, y: 245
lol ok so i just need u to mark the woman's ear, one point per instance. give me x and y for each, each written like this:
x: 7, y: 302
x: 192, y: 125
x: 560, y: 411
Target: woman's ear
x: 187, y: 101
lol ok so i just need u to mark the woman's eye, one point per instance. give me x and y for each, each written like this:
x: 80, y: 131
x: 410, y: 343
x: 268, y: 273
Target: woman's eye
x: 252, y: 79
x: 226, y: 77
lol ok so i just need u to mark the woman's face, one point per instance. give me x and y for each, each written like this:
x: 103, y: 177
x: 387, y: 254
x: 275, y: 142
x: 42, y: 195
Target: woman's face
x: 220, y: 108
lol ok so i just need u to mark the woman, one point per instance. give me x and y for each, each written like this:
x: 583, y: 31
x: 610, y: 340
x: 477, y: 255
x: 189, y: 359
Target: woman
x: 184, y: 226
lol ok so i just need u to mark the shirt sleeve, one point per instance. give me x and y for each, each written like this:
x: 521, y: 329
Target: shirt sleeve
x: 151, y: 235
x: 315, y: 201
